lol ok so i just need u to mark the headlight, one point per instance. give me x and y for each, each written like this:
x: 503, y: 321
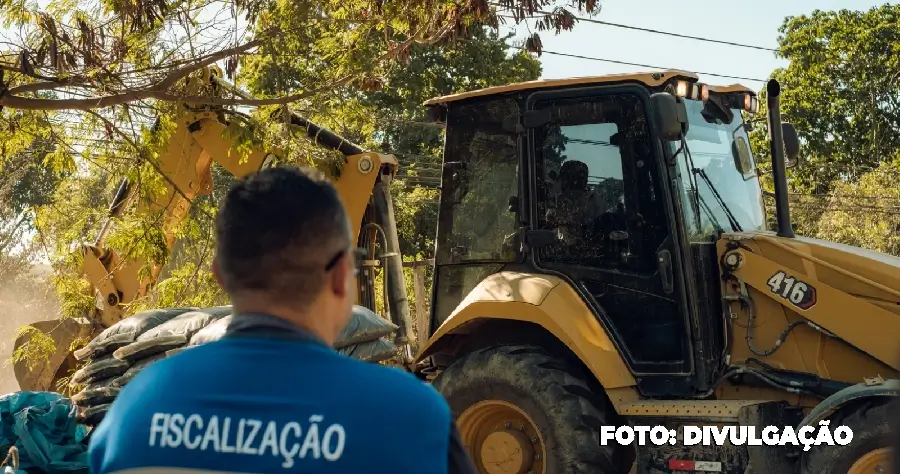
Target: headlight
x: 694, y: 91
x: 745, y: 101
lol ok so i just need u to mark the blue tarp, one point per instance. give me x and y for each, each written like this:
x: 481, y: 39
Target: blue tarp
x: 43, y: 426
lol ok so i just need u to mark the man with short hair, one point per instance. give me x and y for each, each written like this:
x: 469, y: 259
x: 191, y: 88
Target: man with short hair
x: 272, y: 395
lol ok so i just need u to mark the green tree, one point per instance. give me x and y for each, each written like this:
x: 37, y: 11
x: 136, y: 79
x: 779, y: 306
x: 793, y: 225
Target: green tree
x: 866, y: 213
x: 114, y: 141
x: 97, y: 55
x: 842, y: 91
x: 26, y: 184
x: 90, y: 77
x: 390, y: 117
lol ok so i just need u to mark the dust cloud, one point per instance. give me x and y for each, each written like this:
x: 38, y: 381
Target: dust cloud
x: 22, y: 302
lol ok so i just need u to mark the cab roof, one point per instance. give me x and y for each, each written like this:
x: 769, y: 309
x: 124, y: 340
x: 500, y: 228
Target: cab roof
x: 650, y: 79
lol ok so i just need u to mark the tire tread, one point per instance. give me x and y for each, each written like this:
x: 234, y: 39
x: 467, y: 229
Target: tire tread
x: 557, y: 385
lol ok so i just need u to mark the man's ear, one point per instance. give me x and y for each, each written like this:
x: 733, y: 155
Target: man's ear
x: 339, y: 276
x: 217, y: 271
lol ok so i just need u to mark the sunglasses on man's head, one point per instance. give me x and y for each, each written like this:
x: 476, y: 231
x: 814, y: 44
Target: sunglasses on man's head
x: 358, y: 255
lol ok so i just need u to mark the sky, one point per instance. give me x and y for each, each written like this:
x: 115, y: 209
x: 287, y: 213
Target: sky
x: 757, y: 25
x: 754, y: 23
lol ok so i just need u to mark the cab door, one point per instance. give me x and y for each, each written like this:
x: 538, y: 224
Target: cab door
x: 599, y: 184
x: 477, y: 225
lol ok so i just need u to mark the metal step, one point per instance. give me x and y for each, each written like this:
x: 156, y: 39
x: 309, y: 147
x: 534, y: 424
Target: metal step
x: 713, y: 410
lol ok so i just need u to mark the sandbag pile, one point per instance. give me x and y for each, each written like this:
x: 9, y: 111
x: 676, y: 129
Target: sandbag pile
x: 118, y: 353
x: 365, y: 336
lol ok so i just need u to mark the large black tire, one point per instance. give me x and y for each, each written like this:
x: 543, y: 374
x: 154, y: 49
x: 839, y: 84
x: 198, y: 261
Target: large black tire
x: 566, y: 407
x: 870, y: 422
x: 99, y: 391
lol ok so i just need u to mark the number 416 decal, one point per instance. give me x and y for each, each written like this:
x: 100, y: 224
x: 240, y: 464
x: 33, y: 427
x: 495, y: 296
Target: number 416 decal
x: 797, y: 292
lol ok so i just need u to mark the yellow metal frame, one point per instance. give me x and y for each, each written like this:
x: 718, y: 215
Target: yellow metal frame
x: 357, y: 180
x: 649, y: 79
x: 731, y: 88
x: 849, y: 316
x: 542, y: 300
x: 186, y: 164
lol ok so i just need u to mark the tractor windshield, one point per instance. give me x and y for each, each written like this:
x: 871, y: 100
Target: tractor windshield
x: 720, y: 187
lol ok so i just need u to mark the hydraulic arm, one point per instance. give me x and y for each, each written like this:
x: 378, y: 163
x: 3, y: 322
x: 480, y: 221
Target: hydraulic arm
x: 186, y: 161
x: 185, y: 164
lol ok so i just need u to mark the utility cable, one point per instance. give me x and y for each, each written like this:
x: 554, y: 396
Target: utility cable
x: 626, y: 63
x: 647, y: 30
x: 676, y: 35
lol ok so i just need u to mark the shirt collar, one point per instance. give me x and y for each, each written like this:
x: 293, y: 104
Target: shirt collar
x: 267, y: 326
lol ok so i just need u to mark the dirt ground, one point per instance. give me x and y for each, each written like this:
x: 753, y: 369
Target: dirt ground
x: 20, y: 305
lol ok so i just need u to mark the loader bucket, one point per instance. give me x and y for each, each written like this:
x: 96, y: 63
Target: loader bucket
x: 45, y: 374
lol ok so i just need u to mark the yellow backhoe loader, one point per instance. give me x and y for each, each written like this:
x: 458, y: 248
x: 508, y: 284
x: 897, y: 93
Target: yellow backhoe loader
x: 603, y: 259
x: 363, y: 183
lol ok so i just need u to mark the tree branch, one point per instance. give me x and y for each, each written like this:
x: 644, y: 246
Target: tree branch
x: 158, y: 91
x: 177, y: 74
x: 195, y: 100
x: 26, y: 103
x: 155, y: 91
x: 12, y: 234
x: 38, y: 86
x: 18, y: 70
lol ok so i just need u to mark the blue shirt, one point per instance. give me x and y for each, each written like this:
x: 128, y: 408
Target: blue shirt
x: 273, y: 401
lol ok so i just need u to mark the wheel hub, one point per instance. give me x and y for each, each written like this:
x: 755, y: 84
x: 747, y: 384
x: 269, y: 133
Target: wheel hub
x: 877, y: 461
x: 507, y: 452
x: 502, y: 439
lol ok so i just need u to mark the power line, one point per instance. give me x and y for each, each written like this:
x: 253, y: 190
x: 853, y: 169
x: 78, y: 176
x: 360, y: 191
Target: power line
x: 650, y: 66
x: 650, y: 30
x: 676, y: 35
x: 590, y: 58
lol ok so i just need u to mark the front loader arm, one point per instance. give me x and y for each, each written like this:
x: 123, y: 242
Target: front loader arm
x: 117, y: 280
x: 196, y: 142
x: 810, y: 306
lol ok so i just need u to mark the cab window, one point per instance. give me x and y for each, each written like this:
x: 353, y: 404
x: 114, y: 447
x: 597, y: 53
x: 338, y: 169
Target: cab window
x: 597, y: 184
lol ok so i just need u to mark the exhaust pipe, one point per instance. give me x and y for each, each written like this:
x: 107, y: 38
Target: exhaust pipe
x: 776, y: 147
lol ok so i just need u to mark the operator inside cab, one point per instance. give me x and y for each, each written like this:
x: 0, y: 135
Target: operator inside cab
x: 272, y: 395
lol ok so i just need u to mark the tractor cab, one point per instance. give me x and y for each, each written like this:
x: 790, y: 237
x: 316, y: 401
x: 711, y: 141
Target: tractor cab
x: 603, y: 260
x: 619, y: 185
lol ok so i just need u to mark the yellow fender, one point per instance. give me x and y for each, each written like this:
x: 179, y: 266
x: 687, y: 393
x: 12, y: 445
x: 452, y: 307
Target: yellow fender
x: 548, y: 302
